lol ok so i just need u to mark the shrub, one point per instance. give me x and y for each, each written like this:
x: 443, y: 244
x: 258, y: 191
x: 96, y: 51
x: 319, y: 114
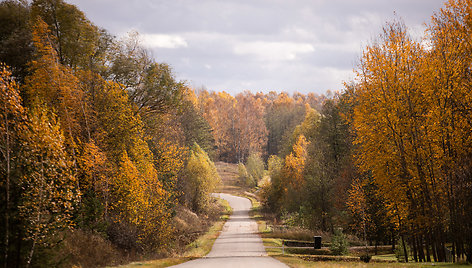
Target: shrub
x: 88, y: 249
x: 255, y: 167
x: 243, y: 175
x: 339, y: 244
x: 366, y: 258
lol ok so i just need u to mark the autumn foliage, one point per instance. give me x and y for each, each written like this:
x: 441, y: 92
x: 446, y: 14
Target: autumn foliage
x: 88, y: 150
x: 97, y: 139
x: 393, y: 150
x: 412, y: 125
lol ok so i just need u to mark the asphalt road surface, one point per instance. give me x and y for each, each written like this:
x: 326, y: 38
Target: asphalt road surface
x: 238, y: 245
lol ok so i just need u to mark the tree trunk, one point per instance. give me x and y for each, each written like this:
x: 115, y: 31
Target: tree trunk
x: 428, y: 254
x: 420, y: 248
x: 433, y: 247
x: 7, y: 190
x: 404, y: 249
x: 415, y: 251
x: 30, y: 254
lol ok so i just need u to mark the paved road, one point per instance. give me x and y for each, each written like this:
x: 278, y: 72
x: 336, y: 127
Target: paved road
x: 238, y: 245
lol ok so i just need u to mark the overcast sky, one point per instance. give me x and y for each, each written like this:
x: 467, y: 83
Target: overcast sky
x: 258, y: 45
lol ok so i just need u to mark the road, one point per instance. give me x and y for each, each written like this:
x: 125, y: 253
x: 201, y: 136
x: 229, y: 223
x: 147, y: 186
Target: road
x: 238, y: 245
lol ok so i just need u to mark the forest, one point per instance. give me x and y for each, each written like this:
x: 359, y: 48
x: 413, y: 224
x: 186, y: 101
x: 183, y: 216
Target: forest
x: 103, y: 148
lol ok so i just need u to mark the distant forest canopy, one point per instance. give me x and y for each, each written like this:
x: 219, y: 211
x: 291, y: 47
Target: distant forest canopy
x: 102, y: 147
x: 254, y: 123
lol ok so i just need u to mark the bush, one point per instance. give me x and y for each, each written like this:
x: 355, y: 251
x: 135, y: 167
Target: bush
x: 88, y: 249
x: 339, y: 244
x: 366, y: 258
x: 244, y: 176
x: 255, y: 167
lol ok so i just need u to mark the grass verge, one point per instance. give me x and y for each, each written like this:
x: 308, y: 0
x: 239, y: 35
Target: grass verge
x: 273, y: 248
x: 300, y: 263
x: 197, y: 249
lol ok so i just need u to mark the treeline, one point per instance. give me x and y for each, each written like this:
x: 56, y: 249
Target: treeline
x: 390, y: 157
x: 249, y: 123
x: 413, y: 126
x: 97, y: 139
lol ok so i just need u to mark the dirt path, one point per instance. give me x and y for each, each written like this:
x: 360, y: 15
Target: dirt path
x: 238, y: 245
x: 230, y: 182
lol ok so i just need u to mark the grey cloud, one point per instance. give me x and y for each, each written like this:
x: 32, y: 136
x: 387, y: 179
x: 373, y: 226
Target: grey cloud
x: 228, y: 44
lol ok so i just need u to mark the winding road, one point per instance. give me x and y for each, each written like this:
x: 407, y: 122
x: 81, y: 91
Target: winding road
x: 238, y: 245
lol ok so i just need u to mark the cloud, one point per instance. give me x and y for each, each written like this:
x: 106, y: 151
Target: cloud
x: 163, y: 41
x: 273, y: 51
x: 304, y: 45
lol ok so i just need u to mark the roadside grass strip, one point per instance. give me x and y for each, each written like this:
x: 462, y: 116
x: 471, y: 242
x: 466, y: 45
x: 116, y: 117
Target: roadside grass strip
x: 197, y: 249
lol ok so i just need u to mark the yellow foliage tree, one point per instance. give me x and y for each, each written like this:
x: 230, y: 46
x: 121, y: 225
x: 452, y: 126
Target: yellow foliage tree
x: 293, y: 177
x: 12, y: 124
x: 49, y: 188
x: 54, y: 84
x: 201, y: 179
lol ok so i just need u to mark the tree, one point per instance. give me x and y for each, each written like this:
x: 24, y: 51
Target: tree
x: 140, y: 201
x: 251, y: 132
x: 273, y: 193
x: 255, y: 168
x: 49, y: 192
x: 236, y: 123
x: 201, y: 179
x: 55, y: 85
x: 118, y: 126
x: 293, y: 174
x: 412, y: 126
x: 94, y: 175
x: 13, y: 119
x: 75, y: 37
x: 152, y: 86
x: 195, y: 127
x: 219, y: 109
x: 282, y: 116
x: 369, y: 211
x: 16, y: 48
x: 448, y: 90
x: 390, y: 139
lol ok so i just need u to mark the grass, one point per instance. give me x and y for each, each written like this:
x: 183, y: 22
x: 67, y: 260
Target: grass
x: 197, y: 249
x: 202, y: 246
x: 300, y: 263
x: 293, y: 257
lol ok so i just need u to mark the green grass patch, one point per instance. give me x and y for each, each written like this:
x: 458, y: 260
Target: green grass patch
x: 384, y: 257
x: 297, y: 262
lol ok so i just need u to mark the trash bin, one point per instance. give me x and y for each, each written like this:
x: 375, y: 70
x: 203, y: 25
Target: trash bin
x: 317, y: 240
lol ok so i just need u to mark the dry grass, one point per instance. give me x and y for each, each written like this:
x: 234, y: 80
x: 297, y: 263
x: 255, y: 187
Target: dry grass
x: 294, y: 233
x: 231, y: 183
x: 198, y: 248
x: 85, y: 249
